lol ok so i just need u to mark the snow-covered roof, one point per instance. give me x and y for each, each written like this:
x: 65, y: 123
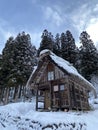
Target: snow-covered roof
x: 66, y: 66
x: 62, y: 63
x: 44, y: 51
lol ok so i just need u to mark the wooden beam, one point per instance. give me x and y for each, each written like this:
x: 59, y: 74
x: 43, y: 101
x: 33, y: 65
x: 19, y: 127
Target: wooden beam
x: 59, y: 96
x: 51, y: 91
x: 37, y: 99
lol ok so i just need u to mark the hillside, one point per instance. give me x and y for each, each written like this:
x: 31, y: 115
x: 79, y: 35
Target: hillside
x: 22, y: 116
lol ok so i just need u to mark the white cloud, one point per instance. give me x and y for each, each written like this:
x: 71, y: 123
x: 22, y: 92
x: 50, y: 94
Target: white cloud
x: 5, y: 32
x: 35, y: 38
x: 80, y: 17
x: 86, y: 18
x: 53, y: 16
x: 96, y: 8
x: 92, y: 29
x: 97, y: 45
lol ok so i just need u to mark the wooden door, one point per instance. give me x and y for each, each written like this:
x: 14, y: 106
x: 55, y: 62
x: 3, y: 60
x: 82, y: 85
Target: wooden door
x: 47, y: 99
x: 56, y: 102
x: 56, y: 96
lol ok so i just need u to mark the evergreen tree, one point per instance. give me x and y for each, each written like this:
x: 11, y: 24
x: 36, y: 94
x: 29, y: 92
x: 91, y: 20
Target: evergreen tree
x: 0, y: 70
x: 89, y: 56
x: 7, y: 57
x: 46, y: 42
x: 63, y: 45
x: 0, y: 61
x: 57, y: 45
x: 18, y: 60
x: 24, y: 57
x: 68, y: 47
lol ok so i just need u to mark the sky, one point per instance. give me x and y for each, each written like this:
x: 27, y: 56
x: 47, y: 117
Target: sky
x: 57, y: 16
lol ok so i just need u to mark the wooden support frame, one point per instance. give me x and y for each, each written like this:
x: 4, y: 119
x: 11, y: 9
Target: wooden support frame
x: 51, y: 91
x: 37, y: 98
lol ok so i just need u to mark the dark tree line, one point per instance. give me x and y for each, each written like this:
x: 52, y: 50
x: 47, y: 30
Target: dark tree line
x: 88, y: 56
x: 18, y: 59
x: 84, y: 58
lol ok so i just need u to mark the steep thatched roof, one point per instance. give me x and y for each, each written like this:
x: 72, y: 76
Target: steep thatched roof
x: 65, y: 66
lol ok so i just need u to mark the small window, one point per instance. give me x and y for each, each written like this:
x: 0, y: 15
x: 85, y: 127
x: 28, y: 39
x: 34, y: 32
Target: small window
x: 51, y: 75
x: 56, y: 88
x: 62, y: 87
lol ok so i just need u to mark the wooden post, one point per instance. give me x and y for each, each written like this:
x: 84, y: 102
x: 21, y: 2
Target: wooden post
x: 69, y: 96
x: 50, y: 96
x: 59, y: 97
x: 80, y: 97
x: 73, y: 93
x: 37, y: 99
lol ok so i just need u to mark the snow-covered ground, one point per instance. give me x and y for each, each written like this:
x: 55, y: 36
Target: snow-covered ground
x: 22, y: 116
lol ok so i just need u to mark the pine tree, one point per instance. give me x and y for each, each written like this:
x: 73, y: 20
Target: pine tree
x: 18, y: 60
x: 0, y: 61
x: 57, y: 45
x: 7, y: 57
x: 46, y: 42
x: 24, y: 57
x: 0, y: 70
x: 68, y: 47
x: 89, y: 56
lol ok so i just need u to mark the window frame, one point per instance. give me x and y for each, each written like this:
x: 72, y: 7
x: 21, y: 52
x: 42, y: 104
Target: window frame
x: 55, y: 88
x: 62, y: 89
x: 50, y: 75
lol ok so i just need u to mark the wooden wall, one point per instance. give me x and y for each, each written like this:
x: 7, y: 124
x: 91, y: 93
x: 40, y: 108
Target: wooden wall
x: 74, y: 95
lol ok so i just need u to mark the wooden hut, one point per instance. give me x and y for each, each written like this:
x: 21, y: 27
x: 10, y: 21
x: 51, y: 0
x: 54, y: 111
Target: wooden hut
x: 58, y: 85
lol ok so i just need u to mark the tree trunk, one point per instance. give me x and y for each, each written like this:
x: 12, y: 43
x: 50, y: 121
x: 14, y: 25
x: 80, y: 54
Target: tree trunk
x: 20, y: 90
x: 15, y: 94
x: 6, y: 96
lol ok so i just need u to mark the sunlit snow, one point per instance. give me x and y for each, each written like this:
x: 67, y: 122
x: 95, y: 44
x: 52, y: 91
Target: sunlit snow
x: 22, y: 116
